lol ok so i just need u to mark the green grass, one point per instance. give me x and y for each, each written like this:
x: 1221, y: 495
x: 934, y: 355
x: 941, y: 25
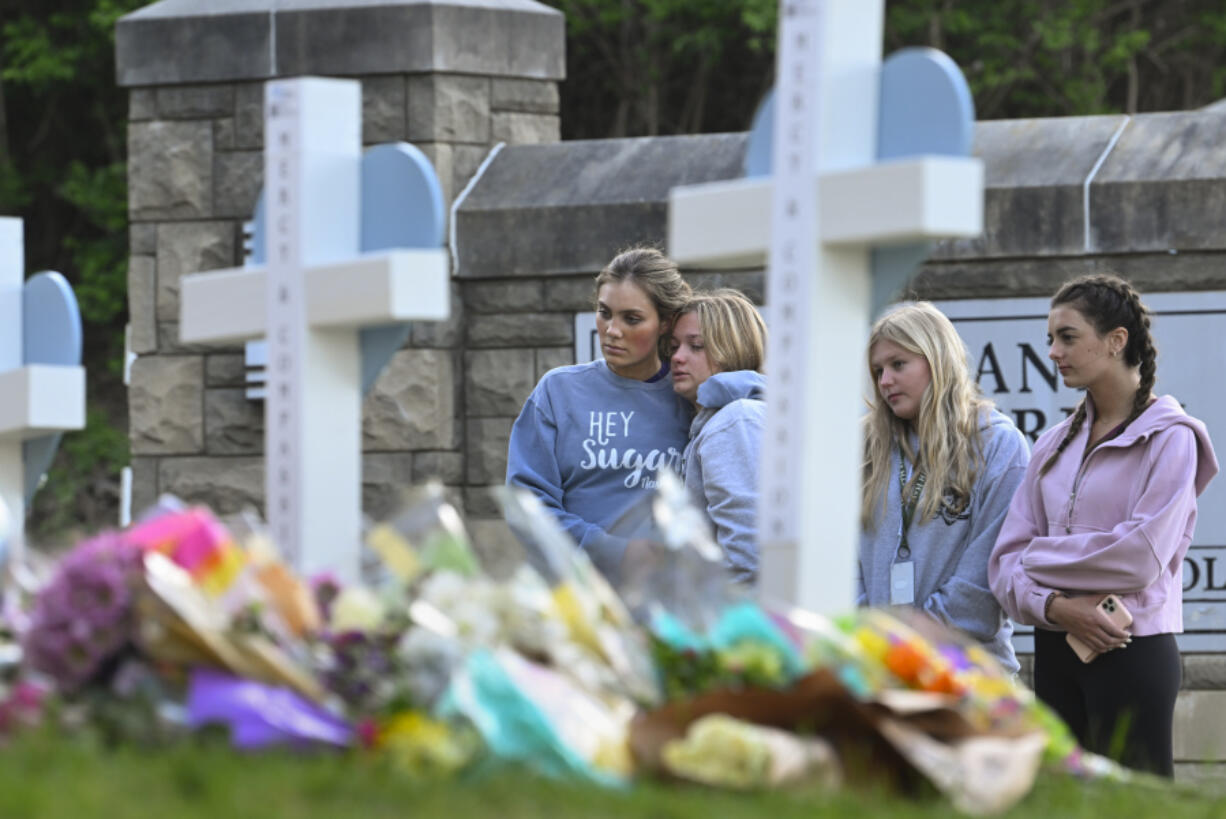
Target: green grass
x: 44, y: 777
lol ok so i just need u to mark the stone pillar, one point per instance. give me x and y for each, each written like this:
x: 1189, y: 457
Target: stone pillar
x: 450, y: 76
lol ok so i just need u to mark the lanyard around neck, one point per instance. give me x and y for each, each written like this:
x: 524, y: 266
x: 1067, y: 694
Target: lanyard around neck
x: 908, y: 505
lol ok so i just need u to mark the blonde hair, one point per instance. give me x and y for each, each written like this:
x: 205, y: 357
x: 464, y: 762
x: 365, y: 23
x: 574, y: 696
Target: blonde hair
x: 732, y: 329
x: 658, y: 277
x: 950, y: 446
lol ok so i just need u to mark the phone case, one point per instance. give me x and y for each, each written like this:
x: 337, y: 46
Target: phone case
x: 1113, y: 609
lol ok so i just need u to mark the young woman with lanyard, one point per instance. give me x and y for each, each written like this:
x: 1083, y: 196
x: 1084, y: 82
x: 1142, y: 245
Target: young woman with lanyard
x: 940, y: 467
x: 592, y: 437
x: 1108, y: 507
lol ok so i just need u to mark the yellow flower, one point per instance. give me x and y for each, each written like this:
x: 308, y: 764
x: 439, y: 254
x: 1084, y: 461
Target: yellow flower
x: 356, y: 609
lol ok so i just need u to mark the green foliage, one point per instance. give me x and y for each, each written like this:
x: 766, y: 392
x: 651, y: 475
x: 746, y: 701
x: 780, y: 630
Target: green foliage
x: 63, y: 169
x: 1034, y: 58
x: 101, y: 196
x: 646, y: 67
x: 82, y: 484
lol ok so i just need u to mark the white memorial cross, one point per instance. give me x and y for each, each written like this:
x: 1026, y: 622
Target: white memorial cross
x: 311, y: 299
x: 36, y: 400
x: 827, y: 205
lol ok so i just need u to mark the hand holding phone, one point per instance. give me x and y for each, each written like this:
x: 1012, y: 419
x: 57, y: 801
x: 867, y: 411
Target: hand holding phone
x: 1113, y: 610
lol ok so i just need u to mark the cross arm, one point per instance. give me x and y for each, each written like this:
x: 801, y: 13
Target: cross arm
x: 40, y: 399
x: 727, y: 224
x: 376, y: 288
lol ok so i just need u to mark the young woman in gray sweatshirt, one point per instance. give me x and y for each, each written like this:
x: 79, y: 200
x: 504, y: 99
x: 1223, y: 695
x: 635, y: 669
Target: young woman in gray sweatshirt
x: 940, y: 469
x: 718, y: 350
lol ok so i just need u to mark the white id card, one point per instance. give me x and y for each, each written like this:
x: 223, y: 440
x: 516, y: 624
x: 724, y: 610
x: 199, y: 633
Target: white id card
x: 902, y: 583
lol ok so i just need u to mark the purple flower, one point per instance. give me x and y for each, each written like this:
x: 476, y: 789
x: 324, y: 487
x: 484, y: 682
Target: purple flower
x: 84, y: 616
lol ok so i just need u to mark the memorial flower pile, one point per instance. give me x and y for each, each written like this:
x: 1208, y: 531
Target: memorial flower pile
x: 442, y: 668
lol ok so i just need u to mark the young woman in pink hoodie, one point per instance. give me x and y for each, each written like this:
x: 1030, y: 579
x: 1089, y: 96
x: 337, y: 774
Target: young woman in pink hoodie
x: 1108, y: 506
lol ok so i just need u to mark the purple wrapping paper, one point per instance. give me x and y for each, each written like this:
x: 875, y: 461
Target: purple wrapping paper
x: 261, y: 715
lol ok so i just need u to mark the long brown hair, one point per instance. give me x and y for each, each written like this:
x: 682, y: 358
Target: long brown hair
x: 1107, y: 302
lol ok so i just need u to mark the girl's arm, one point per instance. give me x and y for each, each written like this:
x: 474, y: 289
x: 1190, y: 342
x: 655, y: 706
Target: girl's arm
x: 532, y: 464
x: 965, y: 600
x: 1134, y: 553
x: 1018, y: 594
x: 728, y: 458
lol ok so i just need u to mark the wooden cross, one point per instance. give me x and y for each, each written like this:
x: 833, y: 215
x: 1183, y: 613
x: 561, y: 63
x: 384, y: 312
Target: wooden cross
x: 311, y: 299
x: 42, y: 388
x: 815, y: 222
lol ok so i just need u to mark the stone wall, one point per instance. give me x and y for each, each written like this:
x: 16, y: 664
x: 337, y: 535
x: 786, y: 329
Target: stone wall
x: 195, y: 142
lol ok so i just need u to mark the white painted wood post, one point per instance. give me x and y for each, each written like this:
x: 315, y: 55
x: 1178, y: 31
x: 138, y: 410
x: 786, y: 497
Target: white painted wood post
x: 35, y: 400
x: 828, y: 203
x: 310, y: 300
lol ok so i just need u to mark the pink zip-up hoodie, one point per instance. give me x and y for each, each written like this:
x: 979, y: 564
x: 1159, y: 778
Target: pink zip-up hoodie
x: 1118, y: 522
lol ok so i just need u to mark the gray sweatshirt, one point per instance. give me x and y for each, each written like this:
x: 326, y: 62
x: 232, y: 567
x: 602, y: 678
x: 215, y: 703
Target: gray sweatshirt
x: 951, y: 552
x: 721, y: 463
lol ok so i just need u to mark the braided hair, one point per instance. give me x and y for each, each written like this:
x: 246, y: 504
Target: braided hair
x: 1108, y: 302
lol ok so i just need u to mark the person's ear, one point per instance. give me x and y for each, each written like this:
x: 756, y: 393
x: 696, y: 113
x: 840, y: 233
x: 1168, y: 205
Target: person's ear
x: 1117, y: 340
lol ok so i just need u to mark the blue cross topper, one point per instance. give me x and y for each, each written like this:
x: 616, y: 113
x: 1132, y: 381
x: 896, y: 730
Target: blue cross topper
x: 401, y: 207
x: 51, y: 334
x: 925, y: 107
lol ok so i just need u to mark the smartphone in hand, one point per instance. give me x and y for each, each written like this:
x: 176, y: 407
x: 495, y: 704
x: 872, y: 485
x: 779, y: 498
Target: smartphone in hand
x: 1113, y: 609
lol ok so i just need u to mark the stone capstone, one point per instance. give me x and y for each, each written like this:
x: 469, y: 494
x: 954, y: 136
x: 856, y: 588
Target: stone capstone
x: 201, y: 41
x: 165, y: 405
x: 567, y: 207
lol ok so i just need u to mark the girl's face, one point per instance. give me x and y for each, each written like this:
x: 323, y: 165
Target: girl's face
x: 690, y: 365
x: 1080, y: 353
x: 630, y: 330
x: 901, y: 377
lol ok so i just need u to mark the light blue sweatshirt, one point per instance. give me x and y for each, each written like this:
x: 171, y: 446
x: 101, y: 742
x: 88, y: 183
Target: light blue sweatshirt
x: 721, y: 463
x: 951, y: 552
x: 589, y: 443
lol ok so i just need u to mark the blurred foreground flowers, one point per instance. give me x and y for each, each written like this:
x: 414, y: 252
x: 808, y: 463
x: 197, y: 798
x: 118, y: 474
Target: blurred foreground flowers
x: 180, y: 622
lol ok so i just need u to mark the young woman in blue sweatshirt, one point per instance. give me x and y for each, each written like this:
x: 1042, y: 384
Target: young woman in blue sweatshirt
x: 592, y: 437
x: 719, y: 344
x: 940, y: 469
